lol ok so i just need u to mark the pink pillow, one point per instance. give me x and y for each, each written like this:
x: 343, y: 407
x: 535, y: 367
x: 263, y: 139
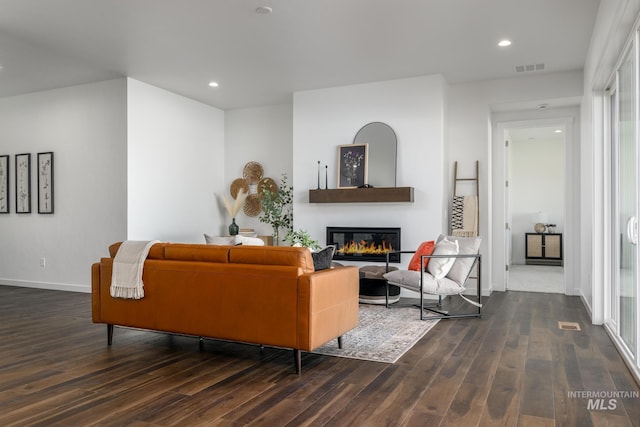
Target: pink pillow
x: 425, y: 248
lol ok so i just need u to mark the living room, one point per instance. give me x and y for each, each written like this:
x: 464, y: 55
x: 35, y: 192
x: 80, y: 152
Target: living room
x: 136, y: 161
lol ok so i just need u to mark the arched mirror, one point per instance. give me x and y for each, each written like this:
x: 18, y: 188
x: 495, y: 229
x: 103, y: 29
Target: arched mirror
x: 382, y: 153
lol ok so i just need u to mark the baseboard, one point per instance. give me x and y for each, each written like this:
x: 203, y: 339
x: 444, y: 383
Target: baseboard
x: 635, y: 371
x: 587, y: 306
x: 46, y: 285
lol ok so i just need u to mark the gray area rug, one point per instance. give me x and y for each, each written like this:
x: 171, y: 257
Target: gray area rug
x: 382, y: 334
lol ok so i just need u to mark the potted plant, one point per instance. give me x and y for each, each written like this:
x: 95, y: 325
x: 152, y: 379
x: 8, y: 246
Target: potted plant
x: 302, y: 238
x: 277, y: 207
x: 233, y: 208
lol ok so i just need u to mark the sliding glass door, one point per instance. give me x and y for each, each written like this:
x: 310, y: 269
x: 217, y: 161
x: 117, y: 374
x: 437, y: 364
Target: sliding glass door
x: 626, y: 165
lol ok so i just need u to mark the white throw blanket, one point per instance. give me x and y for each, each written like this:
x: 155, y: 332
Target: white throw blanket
x: 464, y: 219
x: 126, y: 277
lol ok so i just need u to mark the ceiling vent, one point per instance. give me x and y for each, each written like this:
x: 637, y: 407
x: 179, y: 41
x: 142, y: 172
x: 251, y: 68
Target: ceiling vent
x: 529, y: 68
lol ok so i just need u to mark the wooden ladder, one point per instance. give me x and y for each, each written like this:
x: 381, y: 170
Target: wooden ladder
x: 477, y: 187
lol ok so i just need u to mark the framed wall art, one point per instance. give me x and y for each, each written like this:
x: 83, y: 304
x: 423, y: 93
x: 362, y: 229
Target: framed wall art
x: 4, y: 184
x: 352, y: 165
x: 23, y: 183
x: 45, y: 183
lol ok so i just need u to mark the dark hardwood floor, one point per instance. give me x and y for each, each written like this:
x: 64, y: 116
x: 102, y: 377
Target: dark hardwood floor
x: 513, y: 367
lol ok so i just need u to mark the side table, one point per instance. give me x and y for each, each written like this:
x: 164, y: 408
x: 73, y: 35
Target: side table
x: 373, y: 286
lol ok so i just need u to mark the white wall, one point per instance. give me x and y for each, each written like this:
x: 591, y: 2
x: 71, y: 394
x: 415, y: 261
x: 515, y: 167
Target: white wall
x: 536, y: 184
x: 264, y: 135
x: 175, y: 166
x: 85, y: 127
x: 471, y: 137
x: 326, y: 118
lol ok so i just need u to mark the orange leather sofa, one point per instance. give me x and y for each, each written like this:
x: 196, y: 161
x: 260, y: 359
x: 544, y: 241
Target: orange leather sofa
x: 264, y: 295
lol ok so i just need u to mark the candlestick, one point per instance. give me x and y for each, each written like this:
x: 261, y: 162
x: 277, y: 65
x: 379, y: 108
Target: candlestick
x: 318, y: 174
x: 326, y: 177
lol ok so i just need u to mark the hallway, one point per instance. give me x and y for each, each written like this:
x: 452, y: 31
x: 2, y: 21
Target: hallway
x: 536, y: 278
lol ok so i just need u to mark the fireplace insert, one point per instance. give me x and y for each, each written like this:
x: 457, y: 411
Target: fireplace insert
x: 364, y: 243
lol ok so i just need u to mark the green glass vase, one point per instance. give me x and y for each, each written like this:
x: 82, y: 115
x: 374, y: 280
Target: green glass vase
x: 233, y: 228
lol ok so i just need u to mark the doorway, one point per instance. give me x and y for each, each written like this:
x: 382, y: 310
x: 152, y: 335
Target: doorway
x: 535, y: 207
x: 505, y: 123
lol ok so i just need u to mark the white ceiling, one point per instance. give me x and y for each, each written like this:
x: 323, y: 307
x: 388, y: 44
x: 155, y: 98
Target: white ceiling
x: 538, y: 134
x: 181, y: 45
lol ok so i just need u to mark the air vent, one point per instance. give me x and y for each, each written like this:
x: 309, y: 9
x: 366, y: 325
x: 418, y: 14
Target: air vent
x: 569, y: 326
x: 529, y: 68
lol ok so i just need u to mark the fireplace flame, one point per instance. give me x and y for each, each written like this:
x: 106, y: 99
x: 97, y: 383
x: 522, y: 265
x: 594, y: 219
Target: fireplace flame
x: 365, y: 248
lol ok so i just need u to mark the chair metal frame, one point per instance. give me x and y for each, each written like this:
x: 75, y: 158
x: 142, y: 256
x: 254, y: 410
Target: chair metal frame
x: 439, y: 314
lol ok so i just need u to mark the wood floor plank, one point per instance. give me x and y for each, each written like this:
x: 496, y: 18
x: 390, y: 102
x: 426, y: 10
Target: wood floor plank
x: 503, y: 402
x: 531, y: 421
x: 470, y: 400
x: 436, y: 399
x: 511, y: 367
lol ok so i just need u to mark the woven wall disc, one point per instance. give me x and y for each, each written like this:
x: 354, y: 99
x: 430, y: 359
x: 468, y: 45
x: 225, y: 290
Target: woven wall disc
x: 252, y: 172
x: 267, y: 184
x: 252, y: 205
x: 236, y: 185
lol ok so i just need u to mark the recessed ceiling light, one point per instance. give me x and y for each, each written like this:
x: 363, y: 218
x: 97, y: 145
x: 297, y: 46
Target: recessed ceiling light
x: 504, y: 43
x: 264, y: 10
x: 213, y: 84
x: 558, y: 131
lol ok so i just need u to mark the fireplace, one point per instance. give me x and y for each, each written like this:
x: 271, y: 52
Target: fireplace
x: 364, y: 243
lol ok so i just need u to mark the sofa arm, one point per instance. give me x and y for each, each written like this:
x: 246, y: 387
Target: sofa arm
x: 327, y: 305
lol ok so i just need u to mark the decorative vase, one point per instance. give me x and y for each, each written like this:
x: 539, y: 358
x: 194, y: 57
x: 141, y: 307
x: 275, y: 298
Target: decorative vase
x: 233, y: 228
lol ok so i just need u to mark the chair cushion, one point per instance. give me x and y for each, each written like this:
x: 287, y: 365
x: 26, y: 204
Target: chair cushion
x: 425, y: 248
x: 462, y: 266
x: 439, y: 267
x: 410, y: 279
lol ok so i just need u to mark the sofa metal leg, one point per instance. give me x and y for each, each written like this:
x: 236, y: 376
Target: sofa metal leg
x: 109, y: 334
x: 297, y: 357
x: 340, y: 342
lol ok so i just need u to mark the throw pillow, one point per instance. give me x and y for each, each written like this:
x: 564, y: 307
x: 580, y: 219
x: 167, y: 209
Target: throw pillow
x: 439, y: 267
x: 322, y: 258
x: 425, y: 248
x: 247, y: 241
x: 462, y: 266
x: 219, y: 240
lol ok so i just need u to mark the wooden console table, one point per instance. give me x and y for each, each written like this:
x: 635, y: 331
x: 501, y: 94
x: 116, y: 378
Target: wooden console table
x: 543, y: 249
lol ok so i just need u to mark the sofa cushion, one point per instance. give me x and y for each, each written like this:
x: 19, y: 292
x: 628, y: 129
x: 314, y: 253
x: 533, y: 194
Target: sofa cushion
x: 196, y: 252
x: 272, y: 255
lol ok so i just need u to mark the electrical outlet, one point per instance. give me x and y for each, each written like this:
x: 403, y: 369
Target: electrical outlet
x: 43, y: 262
